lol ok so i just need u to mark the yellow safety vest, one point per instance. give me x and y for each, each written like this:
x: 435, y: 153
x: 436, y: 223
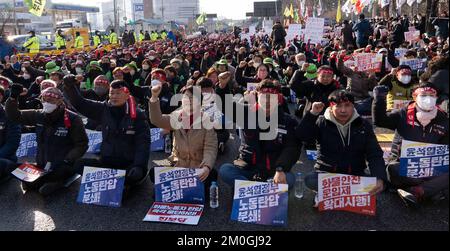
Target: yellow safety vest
x: 60, y: 42
x: 399, y: 96
x: 96, y: 41
x: 113, y: 38
x: 79, y: 43
x: 164, y: 35
x: 141, y: 37
x: 32, y: 44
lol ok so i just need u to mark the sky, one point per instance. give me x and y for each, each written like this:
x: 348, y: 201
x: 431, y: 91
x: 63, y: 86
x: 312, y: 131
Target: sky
x: 234, y: 9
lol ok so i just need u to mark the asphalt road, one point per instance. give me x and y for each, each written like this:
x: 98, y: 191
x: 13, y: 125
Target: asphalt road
x: 60, y: 211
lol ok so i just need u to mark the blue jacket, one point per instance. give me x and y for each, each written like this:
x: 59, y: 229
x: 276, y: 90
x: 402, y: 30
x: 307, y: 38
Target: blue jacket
x: 362, y: 30
x: 9, y: 137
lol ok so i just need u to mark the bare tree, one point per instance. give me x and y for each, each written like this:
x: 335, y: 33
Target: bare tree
x: 6, y: 16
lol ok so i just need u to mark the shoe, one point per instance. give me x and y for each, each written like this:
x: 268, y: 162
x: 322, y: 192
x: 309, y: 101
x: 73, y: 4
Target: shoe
x: 408, y: 198
x: 50, y: 187
x: 24, y: 185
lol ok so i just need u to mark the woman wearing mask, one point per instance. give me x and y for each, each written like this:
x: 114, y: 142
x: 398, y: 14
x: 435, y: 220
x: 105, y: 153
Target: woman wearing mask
x: 420, y: 121
x: 400, y: 85
x: 99, y: 93
x: 192, y: 148
x: 146, y: 69
x: 262, y: 72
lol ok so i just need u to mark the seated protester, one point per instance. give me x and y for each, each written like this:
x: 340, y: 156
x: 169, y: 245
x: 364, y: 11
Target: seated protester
x: 125, y: 131
x: 316, y: 90
x: 5, y: 83
x: 273, y: 69
x: 118, y: 74
x: 24, y: 78
x: 99, y: 93
x: 9, y: 142
x: 345, y: 141
x: 262, y: 73
x: 262, y: 157
x: 93, y: 71
x: 131, y: 74
x: 105, y: 64
x: 420, y: 121
x: 299, y: 75
x: 208, y: 89
x: 192, y: 148
x: 177, y: 64
x: 61, y: 137
x: 33, y: 100
x: 146, y: 70
x: 359, y: 84
x: 253, y: 64
x: 400, y: 86
x: 173, y: 80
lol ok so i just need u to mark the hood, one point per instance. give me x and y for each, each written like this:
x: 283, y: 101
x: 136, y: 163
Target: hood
x: 343, y: 129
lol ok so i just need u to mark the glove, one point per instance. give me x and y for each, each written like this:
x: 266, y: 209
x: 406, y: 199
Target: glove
x: 16, y: 90
x: 380, y: 91
x: 69, y: 80
x: 135, y: 173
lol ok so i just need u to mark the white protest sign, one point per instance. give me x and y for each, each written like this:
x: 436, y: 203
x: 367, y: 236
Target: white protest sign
x: 314, y: 29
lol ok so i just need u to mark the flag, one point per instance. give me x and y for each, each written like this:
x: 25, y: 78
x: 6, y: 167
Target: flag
x: 302, y: 8
x: 400, y: 3
x: 410, y: 2
x: 296, y: 17
x: 286, y: 12
x: 291, y: 11
x: 338, y: 13
x: 201, y: 19
x: 384, y: 3
x: 359, y: 6
x: 35, y: 7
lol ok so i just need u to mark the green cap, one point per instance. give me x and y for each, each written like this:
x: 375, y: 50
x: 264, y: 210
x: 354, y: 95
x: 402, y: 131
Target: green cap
x: 51, y: 67
x: 132, y: 64
x: 222, y: 62
x: 311, y: 72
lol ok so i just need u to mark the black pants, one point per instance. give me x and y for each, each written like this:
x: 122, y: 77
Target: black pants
x: 6, y: 167
x: 211, y: 177
x: 431, y: 185
x: 97, y: 162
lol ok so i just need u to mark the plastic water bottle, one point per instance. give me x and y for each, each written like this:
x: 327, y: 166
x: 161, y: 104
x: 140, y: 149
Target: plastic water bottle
x: 299, y: 185
x: 214, y: 195
x: 168, y: 144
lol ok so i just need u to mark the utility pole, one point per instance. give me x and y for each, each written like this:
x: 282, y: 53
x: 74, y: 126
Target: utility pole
x: 115, y: 17
x: 162, y: 9
x: 16, y: 30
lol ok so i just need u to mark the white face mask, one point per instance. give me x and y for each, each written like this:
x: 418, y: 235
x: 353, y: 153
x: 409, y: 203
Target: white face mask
x: 151, y: 58
x: 256, y: 65
x: 26, y: 76
x: 145, y: 67
x: 300, y: 63
x: 79, y: 70
x: 426, y: 103
x: 48, y: 107
x: 405, y: 79
x: 132, y: 72
x: 155, y: 82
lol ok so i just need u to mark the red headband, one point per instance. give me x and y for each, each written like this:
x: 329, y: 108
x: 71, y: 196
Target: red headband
x: 407, y: 71
x: 326, y: 71
x: 269, y: 90
x: 48, y: 94
x: 101, y: 81
x: 424, y: 89
x: 160, y: 76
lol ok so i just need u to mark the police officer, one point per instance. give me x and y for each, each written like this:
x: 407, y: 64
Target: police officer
x: 79, y: 42
x: 60, y: 40
x: 32, y: 44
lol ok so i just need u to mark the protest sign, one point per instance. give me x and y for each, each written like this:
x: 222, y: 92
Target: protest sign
x: 400, y: 52
x: 314, y: 29
x: 27, y: 145
x: 311, y: 154
x: 421, y: 160
x: 415, y: 63
x: 95, y: 141
x: 412, y: 36
x: 28, y: 172
x: 101, y: 186
x: 188, y: 214
x: 293, y: 31
x: 264, y: 203
x: 178, y: 185
x: 156, y: 140
x: 368, y: 61
x: 346, y: 193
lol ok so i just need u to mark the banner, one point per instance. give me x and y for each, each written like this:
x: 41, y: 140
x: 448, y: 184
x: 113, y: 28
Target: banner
x: 421, y: 160
x: 28, y: 173
x: 178, y: 185
x: 368, y: 61
x: 187, y: 214
x: 314, y: 29
x: 264, y: 203
x: 415, y: 63
x: 101, y: 186
x: 346, y: 193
